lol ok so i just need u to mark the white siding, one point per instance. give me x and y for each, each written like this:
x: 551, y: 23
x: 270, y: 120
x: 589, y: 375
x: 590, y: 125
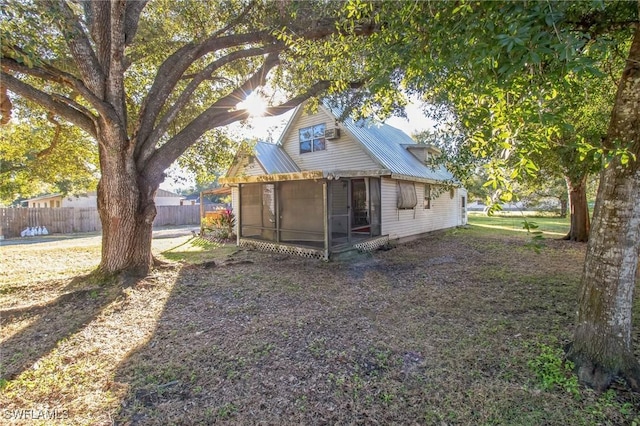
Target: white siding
x: 343, y: 153
x: 248, y: 168
x: 445, y: 212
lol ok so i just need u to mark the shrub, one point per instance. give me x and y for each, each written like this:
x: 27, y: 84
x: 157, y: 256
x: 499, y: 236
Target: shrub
x: 220, y: 226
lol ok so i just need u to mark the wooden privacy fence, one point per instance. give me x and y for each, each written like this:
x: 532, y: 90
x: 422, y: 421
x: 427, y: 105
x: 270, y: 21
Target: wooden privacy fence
x: 67, y: 220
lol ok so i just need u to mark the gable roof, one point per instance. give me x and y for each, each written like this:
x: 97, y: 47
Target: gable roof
x: 42, y: 197
x: 274, y: 159
x: 388, y: 146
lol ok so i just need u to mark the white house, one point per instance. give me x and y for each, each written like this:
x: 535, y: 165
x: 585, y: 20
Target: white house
x: 163, y: 198
x: 327, y: 186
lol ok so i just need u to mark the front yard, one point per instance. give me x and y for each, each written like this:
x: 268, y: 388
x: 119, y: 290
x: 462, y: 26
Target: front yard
x: 462, y: 327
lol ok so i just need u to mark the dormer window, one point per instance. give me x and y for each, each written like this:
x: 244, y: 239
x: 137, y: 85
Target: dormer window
x: 312, y: 139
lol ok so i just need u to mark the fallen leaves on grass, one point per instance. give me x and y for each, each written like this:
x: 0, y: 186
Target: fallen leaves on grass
x: 437, y: 331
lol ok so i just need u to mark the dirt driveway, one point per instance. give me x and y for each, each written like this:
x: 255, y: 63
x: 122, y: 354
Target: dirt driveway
x: 94, y: 237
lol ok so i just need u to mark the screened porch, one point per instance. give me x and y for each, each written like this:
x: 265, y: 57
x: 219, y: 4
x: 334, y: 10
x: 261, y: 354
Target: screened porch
x: 321, y: 216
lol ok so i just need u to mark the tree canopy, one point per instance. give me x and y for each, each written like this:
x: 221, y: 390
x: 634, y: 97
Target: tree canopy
x: 149, y: 81
x: 39, y: 154
x: 501, y: 70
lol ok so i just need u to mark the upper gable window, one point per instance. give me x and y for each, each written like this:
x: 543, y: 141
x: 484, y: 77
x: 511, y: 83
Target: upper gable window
x: 312, y: 139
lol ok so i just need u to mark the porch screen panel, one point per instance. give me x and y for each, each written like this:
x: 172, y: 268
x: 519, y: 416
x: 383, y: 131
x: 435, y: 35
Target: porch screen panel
x: 375, y: 205
x: 257, y: 211
x: 301, y: 205
x: 339, y: 218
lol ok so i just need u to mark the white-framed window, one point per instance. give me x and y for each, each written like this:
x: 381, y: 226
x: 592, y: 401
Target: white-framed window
x: 427, y: 196
x: 312, y: 139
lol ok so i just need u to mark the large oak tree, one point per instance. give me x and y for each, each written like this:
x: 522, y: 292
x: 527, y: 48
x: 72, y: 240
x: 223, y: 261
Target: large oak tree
x: 146, y: 81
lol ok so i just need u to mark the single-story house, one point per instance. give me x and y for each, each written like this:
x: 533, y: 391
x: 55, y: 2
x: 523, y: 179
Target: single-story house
x: 330, y: 186
x: 90, y: 199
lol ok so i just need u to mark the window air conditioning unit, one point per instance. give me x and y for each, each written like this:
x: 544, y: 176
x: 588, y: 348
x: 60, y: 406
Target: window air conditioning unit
x: 332, y: 133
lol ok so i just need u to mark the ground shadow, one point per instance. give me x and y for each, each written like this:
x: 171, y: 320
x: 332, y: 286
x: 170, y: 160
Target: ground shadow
x: 80, y: 303
x: 434, y: 331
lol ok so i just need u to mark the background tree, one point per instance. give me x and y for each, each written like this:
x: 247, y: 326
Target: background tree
x: 39, y: 154
x: 511, y: 104
x: 577, y: 148
x: 210, y: 158
x: 148, y: 81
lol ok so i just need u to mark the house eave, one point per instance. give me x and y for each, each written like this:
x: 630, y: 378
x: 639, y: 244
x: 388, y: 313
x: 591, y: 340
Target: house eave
x: 399, y: 176
x: 337, y: 174
x: 306, y: 175
x: 276, y: 177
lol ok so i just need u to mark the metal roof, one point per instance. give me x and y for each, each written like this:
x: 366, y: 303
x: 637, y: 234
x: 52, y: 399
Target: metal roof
x: 274, y: 159
x: 388, y: 146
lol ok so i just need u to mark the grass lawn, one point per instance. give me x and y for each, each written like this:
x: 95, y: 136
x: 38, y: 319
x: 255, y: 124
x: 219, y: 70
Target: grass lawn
x: 551, y: 226
x: 463, y: 327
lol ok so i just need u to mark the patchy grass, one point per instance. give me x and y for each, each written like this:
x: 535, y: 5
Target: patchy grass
x: 197, y: 250
x: 462, y: 327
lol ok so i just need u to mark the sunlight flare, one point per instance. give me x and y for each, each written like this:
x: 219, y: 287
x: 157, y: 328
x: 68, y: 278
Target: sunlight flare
x: 255, y: 104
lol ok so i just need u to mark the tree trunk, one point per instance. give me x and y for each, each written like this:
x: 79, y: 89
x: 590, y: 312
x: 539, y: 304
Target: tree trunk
x: 602, y: 341
x: 127, y: 209
x: 580, y: 223
x: 563, y: 207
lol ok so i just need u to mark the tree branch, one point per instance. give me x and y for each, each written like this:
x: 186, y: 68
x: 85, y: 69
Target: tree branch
x: 72, y: 104
x: 115, y: 33
x: 84, y: 57
x: 167, y: 153
x: 82, y: 119
x: 132, y: 18
x: 5, y: 105
x: 144, y: 149
x: 175, y: 147
x: 172, y: 69
x: 98, y: 18
x: 54, y: 75
x: 56, y: 137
